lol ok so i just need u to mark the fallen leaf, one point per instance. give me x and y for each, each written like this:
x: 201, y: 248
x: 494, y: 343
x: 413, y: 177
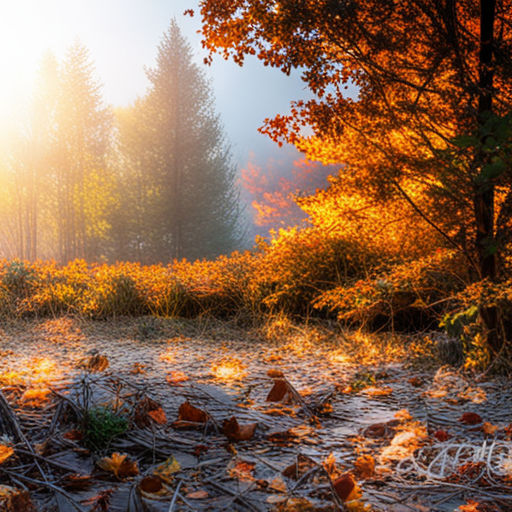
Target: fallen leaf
x: 5, y: 452
x: 74, y: 435
x: 330, y: 465
x: 242, y: 470
x: 138, y: 369
x: 176, y: 378
x: 302, y: 465
x: 277, y: 484
x: 415, y: 382
x: 404, y: 444
x: 274, y: 499
x: 166, y: 470
x: 470, y: 418
x: 441, y: 435
x: 403, y: 415
x: 280, y: 392
x: 346, y: 487
x: 148, y: 411
x: 489, y: 429
x: 365, y: 466
x: 76, y: 482
x: 236, y: 432
x: 190, y: 413
x: 151, y: 484
x: 198, y: 495
x: 374, y: 391
x: 15, y: 500
x: 120, y: 465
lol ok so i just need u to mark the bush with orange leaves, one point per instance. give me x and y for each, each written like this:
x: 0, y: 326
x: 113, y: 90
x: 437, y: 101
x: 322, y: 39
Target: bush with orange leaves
x: 415, y: 294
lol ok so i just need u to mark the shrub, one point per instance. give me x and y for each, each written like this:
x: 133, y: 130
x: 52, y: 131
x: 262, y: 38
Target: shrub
x: 101, y: 426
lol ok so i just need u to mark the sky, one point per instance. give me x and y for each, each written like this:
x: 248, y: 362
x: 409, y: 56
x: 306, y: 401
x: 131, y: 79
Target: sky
x: 122, y: 37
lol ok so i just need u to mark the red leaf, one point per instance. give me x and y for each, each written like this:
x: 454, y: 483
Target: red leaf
x: 344, y: 486
x: 470, y: 418
x: 442, y: 436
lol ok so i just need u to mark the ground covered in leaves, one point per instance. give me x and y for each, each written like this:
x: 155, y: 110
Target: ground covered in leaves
x: 169, y: 415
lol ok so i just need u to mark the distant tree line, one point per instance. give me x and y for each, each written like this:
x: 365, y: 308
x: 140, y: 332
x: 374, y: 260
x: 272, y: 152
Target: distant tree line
x: 150, y: 182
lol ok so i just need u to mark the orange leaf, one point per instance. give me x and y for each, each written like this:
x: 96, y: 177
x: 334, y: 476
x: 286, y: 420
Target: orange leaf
x: 198, y: 495
x: 489, y: 429
x: 365, y: 466
x: 120, y: 465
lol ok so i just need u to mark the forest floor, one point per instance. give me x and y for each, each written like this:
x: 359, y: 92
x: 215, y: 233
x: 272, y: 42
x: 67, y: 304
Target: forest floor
x: 219, y: 417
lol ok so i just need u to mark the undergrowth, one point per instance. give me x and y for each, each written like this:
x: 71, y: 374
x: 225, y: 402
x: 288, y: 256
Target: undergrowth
x: 296, y: 274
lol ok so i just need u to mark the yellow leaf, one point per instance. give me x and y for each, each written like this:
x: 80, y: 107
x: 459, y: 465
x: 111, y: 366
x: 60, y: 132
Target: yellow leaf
x: 167, y: 469
x: 5, y: 452
x: 120, y: 465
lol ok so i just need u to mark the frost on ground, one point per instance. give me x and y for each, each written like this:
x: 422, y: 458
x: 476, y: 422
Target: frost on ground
x: 153, y: 414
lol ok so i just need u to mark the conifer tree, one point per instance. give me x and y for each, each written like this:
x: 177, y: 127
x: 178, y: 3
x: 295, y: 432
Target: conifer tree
x: 81, y: 182
x: 188, y: 205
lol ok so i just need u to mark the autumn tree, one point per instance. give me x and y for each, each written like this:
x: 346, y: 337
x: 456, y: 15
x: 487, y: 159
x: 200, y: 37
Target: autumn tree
x: 433, y: 107
x: 186, y: 203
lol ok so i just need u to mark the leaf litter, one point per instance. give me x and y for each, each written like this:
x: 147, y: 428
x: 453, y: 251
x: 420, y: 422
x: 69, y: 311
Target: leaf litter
x: 219, y: 420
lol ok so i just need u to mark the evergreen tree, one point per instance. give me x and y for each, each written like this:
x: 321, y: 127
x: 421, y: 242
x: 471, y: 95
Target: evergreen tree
x: 81, y: 182
x: 187, y: 204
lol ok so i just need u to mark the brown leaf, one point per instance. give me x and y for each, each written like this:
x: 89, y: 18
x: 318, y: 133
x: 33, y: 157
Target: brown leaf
x: 416, y: 382
x: 15, y: 500
x: 146, y: 411
x: 120, y: 465
x: 470, y: 418
x: 189, y: 413
x: 283, y: 392
x: 345, y: 487
x: 381, y: 430
x: 365, y: 466
x: 151, y: 484
x: 77, y: 482
x: 236, y: 432
x: 74, y: 435
x: 302, y: 465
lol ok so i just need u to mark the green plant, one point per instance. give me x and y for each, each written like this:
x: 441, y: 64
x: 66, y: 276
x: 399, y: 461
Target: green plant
x: 101, y: 426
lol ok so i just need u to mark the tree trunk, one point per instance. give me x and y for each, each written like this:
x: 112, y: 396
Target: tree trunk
x: 484, y: 193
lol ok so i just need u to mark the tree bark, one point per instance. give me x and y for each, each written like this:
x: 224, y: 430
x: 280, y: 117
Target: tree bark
x: 484, y: 193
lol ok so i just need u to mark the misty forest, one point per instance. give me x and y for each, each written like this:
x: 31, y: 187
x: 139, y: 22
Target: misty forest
x: 179, y: 333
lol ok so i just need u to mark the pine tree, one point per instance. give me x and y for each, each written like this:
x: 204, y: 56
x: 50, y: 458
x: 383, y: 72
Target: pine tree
x: 82, y: 185
x: 188, y: 201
